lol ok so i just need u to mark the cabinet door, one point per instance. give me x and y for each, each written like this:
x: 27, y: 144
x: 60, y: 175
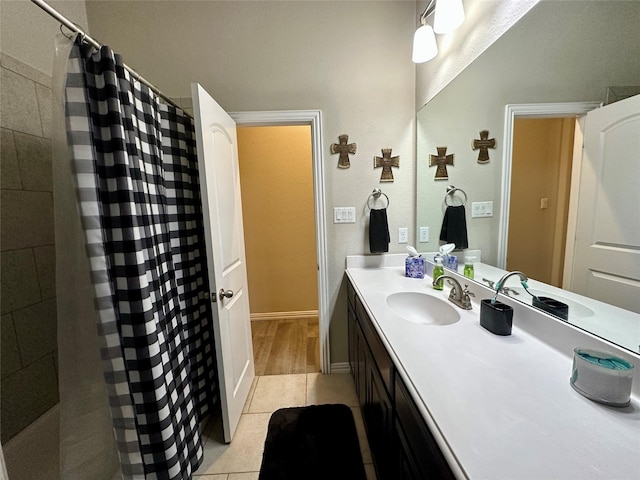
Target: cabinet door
x: 378, y: 414
x: 418, y: 445
x: 351, y: 326
x: 379, y: 353
x: 404, y: 462
x: 357, y: 350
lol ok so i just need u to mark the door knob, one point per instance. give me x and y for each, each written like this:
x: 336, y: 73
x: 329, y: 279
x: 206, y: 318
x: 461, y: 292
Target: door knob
x: 225, y: 294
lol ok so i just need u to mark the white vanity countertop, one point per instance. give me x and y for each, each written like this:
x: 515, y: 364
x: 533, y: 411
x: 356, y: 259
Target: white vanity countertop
x: 500, y: 407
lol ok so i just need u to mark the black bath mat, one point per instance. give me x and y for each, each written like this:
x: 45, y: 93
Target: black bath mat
x: 317, y: 442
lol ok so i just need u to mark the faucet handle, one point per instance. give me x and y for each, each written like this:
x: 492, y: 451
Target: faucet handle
x: 466, y: 301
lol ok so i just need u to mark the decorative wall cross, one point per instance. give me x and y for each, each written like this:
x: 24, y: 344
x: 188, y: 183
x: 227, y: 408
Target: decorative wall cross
x: 386, y: 162
x: 344, y: 150
x: 441, y: 160
x: 484, y: 143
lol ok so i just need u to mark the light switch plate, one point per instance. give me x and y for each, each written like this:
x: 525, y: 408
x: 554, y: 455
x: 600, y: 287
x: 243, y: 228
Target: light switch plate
x: 344, y: 214
x: 481, y: 209
x: 424, y: 234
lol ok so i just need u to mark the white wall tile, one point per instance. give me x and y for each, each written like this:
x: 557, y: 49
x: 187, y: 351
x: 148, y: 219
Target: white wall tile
x: 46, y: 267
x: 44, y: 96
x: 19, y: 103
x: 27, y: 219
x: 36, y: 330
x: 26, y: 395
x: 34, y: 158
x: 9, y: 354
x: 19, y: 280
x: 9, y: 167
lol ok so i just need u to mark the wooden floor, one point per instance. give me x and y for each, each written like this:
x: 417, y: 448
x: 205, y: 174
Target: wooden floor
x: 285, y: 346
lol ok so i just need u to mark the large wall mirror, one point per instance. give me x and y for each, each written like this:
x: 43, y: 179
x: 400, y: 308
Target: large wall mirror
x: 560, y: 52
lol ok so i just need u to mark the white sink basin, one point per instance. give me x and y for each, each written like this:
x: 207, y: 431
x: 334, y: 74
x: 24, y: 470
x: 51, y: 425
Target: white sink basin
x: 422, y: 308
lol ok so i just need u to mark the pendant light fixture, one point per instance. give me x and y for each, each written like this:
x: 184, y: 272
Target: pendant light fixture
x: 424, y: 44
x: 449, y: 15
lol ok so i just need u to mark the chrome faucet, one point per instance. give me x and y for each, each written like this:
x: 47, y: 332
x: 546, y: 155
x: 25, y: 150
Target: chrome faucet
x: 457, y: 295
x: 499, y: 286
x: 505, y: 290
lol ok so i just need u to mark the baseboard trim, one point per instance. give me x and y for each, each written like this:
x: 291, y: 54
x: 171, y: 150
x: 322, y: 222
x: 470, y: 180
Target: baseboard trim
x: 304, y: 314
x: 340, y: 367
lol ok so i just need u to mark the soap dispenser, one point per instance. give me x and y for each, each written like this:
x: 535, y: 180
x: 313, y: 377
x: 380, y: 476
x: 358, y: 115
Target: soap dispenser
x: 437, y: 271
x: 468, y: 266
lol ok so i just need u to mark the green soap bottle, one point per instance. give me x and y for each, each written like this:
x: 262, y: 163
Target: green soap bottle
x: 468, y: 267
x: 437, y: 271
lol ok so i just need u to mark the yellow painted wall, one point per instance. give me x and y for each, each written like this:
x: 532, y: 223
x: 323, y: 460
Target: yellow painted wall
x: 542, y: 156
x: 276, y: 177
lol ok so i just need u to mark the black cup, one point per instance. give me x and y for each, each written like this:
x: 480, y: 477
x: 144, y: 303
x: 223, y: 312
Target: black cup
x: 552, y: 306
x: 496, y: 317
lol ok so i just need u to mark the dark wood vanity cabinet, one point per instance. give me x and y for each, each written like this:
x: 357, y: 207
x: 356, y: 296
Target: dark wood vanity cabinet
x: 401, y: 444
x: 373, y: 387
x: 418, y: 452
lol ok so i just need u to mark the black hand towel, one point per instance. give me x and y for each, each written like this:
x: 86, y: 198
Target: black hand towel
x: 378, y: 231
x: 454, y: 227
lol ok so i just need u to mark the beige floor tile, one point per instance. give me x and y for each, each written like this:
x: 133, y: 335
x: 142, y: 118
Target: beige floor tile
x: 333, y: 388
x: 362, y: 435
x: 244, y: 454
x: 221, y: 476
x: 278, y: 391
x: 370, y: 471
x: 252, y: 390
x: 209, y: 428
x: 244, y: 476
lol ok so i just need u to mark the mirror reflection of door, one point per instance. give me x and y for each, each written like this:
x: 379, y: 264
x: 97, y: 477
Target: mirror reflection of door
x: 540, y: 191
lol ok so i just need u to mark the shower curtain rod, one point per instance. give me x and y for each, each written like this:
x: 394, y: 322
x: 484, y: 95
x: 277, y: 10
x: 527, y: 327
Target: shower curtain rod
x: 86, y: 38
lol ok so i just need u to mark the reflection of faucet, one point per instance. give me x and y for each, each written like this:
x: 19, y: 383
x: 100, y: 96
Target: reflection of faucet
x: 505, y: 290
x: 457, y: 295
x: 499, y: 284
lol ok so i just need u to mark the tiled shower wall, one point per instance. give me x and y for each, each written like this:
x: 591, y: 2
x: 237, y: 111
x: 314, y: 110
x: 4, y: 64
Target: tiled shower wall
x: 27, y: 254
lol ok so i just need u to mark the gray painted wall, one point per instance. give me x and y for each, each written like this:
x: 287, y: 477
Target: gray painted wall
x: 350, y: 59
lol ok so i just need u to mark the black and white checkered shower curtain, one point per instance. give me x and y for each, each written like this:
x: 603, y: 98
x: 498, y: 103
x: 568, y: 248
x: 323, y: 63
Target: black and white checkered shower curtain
x: 138, y: 193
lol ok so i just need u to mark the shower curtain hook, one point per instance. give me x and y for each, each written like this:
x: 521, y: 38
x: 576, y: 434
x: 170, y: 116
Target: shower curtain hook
x: 78, y: 30
x: 64, y: 34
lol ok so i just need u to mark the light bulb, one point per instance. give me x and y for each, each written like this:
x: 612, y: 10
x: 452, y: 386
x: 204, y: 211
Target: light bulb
x: 424, y: 44
x: 449, y: 16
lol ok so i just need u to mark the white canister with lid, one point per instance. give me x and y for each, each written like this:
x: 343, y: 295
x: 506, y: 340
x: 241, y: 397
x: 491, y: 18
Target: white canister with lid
x: 602, y: 377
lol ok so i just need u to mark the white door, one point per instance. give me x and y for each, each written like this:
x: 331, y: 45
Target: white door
x: 224, y: 236
x: 607, y: 249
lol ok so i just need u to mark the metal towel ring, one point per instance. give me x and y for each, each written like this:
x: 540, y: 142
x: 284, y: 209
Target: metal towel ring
x: 451, y: 190
x: 376, y: 194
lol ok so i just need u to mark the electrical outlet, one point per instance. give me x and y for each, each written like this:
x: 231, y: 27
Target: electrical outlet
x: 544, y: 203
x: 403, y: 235
x: 424, y: 234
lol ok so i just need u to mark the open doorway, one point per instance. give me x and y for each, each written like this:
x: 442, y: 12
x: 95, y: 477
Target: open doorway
x: 540, y: 193
x: 276, y: 174
x: 572, y: 112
